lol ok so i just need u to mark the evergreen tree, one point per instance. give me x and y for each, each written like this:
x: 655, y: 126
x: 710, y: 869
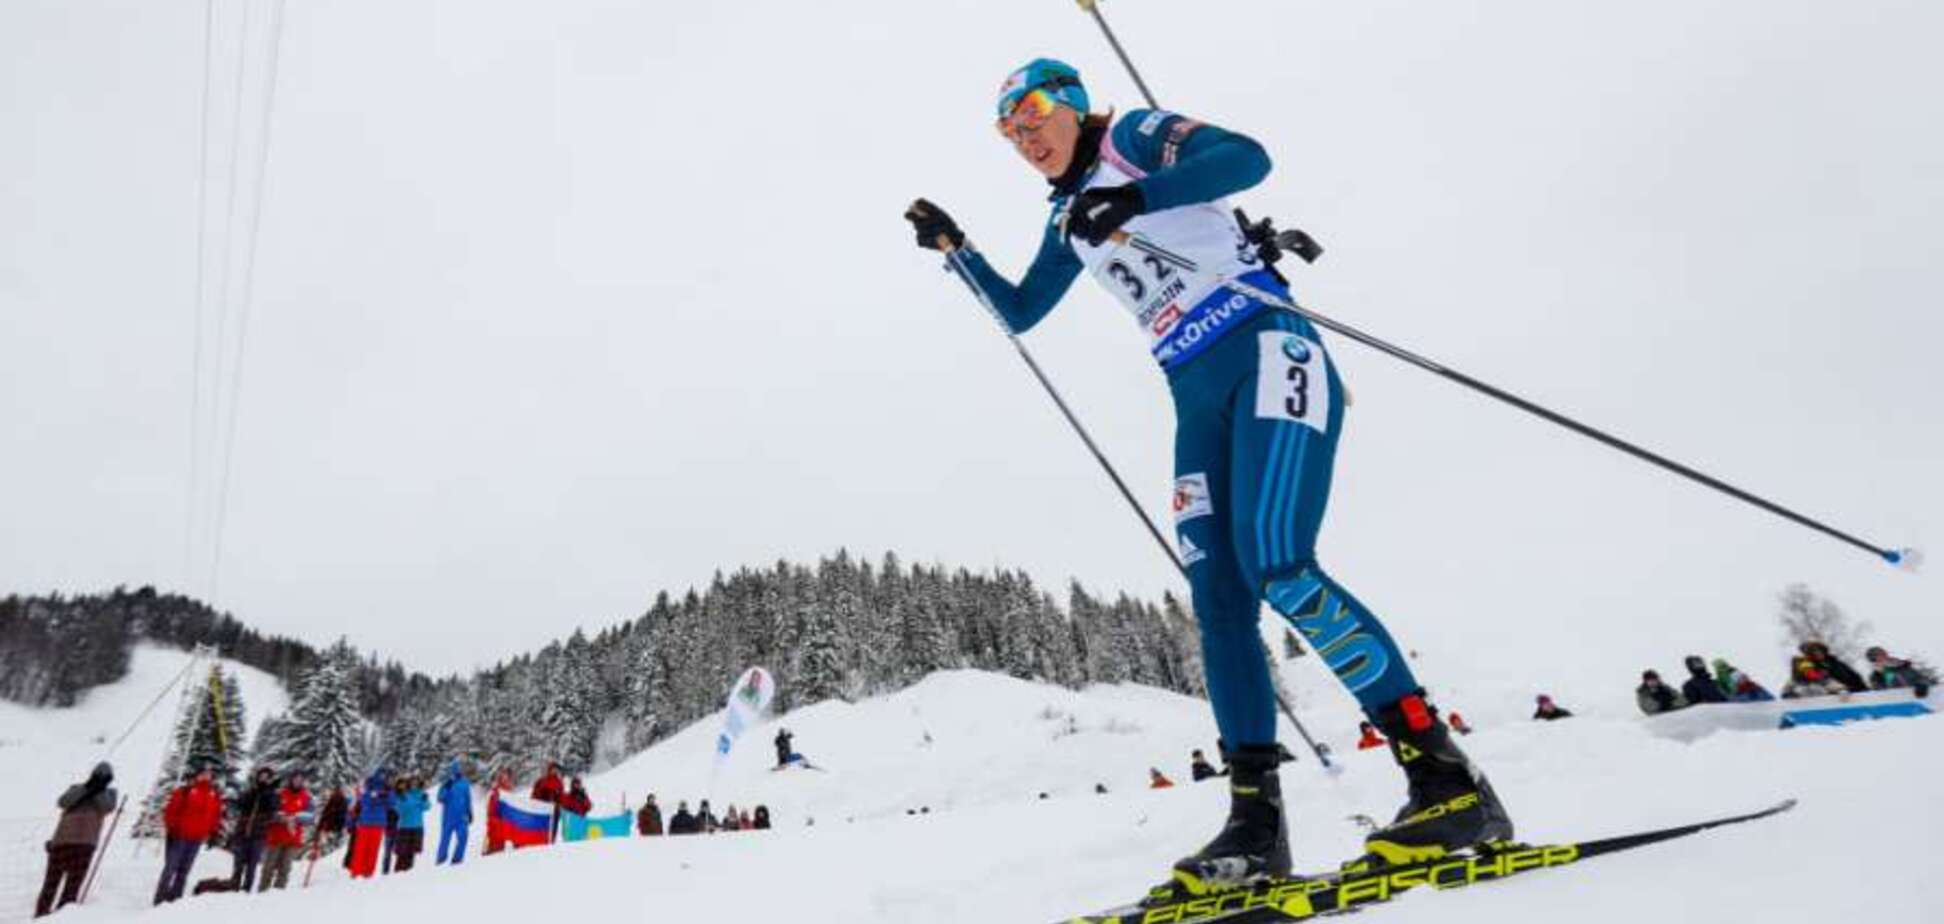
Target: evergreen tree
x: 208, y: 734
x: 323, y: 734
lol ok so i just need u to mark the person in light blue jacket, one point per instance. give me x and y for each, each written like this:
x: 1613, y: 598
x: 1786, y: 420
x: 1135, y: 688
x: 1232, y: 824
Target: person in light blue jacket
x: 455, y: 813
x: 411, y: 806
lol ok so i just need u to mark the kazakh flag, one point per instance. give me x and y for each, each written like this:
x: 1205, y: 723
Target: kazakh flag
x: 581, y: 828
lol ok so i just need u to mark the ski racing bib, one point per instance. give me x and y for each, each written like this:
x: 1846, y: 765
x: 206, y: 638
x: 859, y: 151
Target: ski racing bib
x: 1169, y: 272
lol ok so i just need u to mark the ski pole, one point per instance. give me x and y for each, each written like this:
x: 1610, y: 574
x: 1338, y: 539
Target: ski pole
x: 1907, y: 559
x: 1093, y: 7
x: 101, y: 853
x: 957, y: 265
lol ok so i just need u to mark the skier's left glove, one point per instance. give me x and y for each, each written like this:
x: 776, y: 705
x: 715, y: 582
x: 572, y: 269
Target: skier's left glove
x: 932, y: 223
x: 1097, y: 213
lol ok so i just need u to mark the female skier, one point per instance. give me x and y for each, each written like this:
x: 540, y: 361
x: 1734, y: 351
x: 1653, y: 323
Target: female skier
x: 1138, y: 203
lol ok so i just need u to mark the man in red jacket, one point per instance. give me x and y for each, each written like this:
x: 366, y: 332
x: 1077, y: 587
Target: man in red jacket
x: 576, y: 800
x: 191, y: 819
x: 285, y: 836
x: 548, y: 789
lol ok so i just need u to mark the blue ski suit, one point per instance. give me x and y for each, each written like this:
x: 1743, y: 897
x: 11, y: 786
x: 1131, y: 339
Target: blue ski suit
x: 455, y: 813
x: 1258, y: 405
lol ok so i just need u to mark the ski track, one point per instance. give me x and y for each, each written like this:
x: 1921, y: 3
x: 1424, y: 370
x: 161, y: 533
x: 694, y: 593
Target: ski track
x: 990, y: 849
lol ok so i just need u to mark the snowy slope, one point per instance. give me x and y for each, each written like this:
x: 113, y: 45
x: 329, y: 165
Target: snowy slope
x: 43, y: 751
x: 991, y: 851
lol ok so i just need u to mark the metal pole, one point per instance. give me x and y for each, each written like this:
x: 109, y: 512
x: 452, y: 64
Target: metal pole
x: 1092, y: 7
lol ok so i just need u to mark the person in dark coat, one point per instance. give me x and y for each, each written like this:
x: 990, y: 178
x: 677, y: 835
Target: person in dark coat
x: 76, y: 835
x: 762, y: 820
x: 683, y: 822
x: 648, y: 821
x: 705, y: 820
x: 1199, y: 768
x: 576, y: 800
x: 783, y: 749
x: 1839, y: 671
x: 1656, y: 697
x: 1549, y: 711
x: 1888, y: 673
x: 1700, y: 687
x: 256, y: 811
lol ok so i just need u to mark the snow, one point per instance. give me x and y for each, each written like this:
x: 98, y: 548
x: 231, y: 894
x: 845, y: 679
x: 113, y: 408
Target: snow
x: 990, y: 849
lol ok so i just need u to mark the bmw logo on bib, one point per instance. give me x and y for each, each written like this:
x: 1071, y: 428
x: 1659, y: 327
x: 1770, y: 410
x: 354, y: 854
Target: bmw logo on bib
x: 1296, y: 348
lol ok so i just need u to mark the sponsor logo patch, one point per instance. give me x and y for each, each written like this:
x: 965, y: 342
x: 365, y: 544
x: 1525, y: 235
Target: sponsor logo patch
x: 1190, y: 552
x: 1153, y: 121
x: 1191, y: 497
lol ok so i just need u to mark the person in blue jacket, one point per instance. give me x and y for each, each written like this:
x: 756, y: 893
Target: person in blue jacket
x: 1138, y: 203
x: 455, y: 813
x: 371, y: 816
x: 411, y: 805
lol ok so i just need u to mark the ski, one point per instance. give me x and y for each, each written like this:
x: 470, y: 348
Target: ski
x: 1340, y: 893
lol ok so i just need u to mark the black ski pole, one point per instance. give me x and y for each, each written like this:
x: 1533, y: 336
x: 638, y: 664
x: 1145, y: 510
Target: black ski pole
x: 957, y: 265
x: 1092, y: 6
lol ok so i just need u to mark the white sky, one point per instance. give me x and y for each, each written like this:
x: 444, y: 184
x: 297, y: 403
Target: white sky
x: 562, y: 304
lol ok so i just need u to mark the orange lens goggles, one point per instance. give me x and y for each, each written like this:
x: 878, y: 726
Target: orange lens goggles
x: 1028, y: 115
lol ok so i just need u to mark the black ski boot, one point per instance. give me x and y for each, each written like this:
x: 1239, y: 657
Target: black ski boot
x: 1452, y: 807
x: 1254, y: 843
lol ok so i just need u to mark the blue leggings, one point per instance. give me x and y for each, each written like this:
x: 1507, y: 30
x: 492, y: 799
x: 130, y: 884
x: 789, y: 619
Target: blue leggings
x: 1257, y: 419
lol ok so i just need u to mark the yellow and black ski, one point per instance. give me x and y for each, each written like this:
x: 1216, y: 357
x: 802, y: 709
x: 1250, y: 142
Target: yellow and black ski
x: 1337, y: 893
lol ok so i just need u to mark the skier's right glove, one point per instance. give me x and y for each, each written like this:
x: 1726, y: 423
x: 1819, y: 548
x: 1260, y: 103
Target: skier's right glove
x: 932, y: 223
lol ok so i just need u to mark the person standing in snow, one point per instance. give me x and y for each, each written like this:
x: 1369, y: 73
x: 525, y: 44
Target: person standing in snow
x: 191, y: 818
x: 705, y: 820
x: 1549, y: 711
x: 284, y: 839
x: 1158, y: 780
x: 71, y: 849
x: 409, y: 805
x: 682, y: 822
x: 1700, y: 687
x: 1737, y: 686
x: 495, y: 829
x: 576, y: 800
x: 1656, y: 697
x: 1199, y: 768
x: 1836, y: 668
x: 1888, y: 673
x: 372, y: 815
x: 255, y: 810
x: 784, y: 750
x: 648, y: 821
x: 455, y: 814
x: 1139, y: 202
x: 762, y: 820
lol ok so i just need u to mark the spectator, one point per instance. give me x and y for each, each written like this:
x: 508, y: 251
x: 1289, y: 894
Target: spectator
x: 648, y: 821
x: 1370, y: 737
x: 705, y: 820
x: 1157, y: 780
x: 744, y: 823
x: 1199, y: 768
x: 371, y: 817
x: 1458, y: 723
x: 285, y: 838
x: 1700, y: 687
x: 1737, y: 686
x: 682, y: 822
x: 455, y: 814
x: 495, y: 830
x: 1655, y: 697
x: 784, y: 751
x: 576, y: 800
x: 72, y: 848
x: 331, y: 821
x: 1549, y: 711
x: 1888, y: 673
x: 730, y: 821
x: 191, y: 819
x: 1806, y: 679
x: 548, y: 787
x: 762, y: 820
x: 410, y: 806
x: 1100, y: 789
x: 1839, y: 671
x: 256, y: 810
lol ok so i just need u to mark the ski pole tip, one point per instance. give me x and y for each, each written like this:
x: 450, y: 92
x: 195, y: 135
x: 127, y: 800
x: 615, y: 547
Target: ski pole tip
x: 1906, y: 559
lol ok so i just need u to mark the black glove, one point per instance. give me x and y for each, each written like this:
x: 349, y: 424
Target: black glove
x: 932, y: 223
x: 1099, y: 212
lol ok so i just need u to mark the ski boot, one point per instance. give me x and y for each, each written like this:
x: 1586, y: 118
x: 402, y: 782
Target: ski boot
x: 1253, y: 845
x: 1452, y: 808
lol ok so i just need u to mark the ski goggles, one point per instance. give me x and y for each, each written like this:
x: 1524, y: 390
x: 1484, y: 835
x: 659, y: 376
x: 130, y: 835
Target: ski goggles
x: 1035, y: 106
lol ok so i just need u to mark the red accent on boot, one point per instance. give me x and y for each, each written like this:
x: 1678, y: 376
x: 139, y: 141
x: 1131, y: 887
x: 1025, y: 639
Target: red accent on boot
x: 1417, y: 715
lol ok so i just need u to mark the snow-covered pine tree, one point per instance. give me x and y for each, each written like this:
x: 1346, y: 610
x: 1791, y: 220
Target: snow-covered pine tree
x: 820, y: 659
x: 322, y: 733
x: 210, y: 733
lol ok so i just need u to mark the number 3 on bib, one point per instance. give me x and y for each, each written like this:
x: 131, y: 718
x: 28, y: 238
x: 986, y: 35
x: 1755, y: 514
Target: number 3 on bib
x: 1292, y: 380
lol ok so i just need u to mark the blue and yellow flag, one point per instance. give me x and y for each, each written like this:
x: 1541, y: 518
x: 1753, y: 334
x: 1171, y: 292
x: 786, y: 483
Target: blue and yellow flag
x: 581, y: 828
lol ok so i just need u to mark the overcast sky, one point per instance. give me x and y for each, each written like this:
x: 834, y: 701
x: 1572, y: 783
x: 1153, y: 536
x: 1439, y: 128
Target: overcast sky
x: 558, y: 305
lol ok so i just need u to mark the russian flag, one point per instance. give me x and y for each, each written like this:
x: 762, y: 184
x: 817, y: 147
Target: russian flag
x: 523, y: 825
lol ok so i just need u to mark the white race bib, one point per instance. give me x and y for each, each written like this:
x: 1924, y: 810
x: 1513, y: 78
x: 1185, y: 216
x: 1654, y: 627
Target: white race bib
x: 1292, y: 379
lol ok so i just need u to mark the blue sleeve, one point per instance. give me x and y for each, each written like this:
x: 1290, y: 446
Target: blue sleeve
x: 1187, y: 161
x: 1022, y: 306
